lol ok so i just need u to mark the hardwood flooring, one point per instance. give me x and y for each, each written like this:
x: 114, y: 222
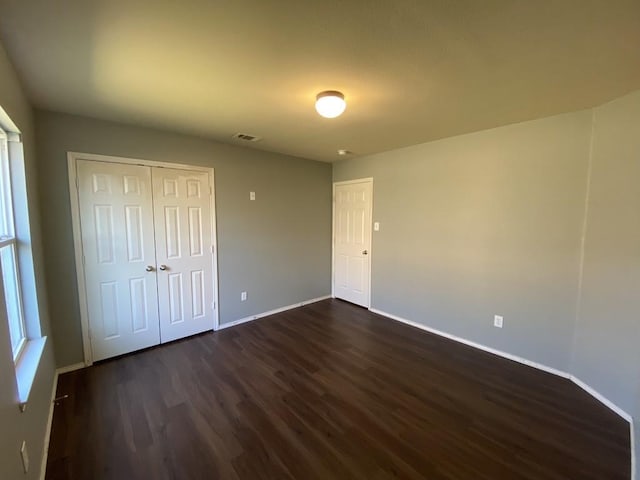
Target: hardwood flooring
x: 328, y: 391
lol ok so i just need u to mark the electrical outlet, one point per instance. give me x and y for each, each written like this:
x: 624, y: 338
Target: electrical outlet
x: 25, y: 456
x: 497, y: 321
x: 252, y: 195
x: 243, y: 296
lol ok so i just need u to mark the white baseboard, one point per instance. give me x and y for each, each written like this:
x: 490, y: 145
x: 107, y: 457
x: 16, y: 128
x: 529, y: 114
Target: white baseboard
x: 70, y: 368
x: 592, y: 391
x: 47, y: 433
x: 634, y: 475
x: 271, y: 312
x: 602, y: 399
x: 479, y: 346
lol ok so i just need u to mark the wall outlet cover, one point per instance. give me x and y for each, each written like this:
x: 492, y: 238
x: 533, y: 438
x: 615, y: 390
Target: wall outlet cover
x: 498, y: 321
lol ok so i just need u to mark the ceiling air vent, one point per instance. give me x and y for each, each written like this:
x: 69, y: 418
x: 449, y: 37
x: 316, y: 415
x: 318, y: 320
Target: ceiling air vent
x: 245, y: 137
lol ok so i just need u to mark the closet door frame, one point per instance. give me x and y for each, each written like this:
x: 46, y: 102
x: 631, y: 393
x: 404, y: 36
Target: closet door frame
x: 72, y: 159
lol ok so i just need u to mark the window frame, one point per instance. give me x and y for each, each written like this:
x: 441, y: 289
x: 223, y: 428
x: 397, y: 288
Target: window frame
x: 16, y: 210
x: 8, y: 239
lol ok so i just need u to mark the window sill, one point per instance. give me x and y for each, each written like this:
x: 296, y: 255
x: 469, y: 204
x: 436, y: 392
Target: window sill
x: 27, y: 367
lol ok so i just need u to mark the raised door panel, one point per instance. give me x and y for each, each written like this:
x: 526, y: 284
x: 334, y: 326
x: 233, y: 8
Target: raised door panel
x: 116, y: 217
x: 182, y: 206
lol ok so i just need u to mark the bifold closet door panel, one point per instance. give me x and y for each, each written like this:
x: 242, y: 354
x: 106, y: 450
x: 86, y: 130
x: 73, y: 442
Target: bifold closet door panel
x: 116, y: 215
x: 182, y: 214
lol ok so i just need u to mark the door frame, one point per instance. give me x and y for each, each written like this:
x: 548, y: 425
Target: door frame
x: 72, y: 161
x: 333, y: 234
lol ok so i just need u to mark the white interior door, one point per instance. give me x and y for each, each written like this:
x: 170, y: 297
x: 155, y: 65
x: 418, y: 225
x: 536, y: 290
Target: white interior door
x: 116, y: 217
x: 352, y: 241
x: 182, y: 213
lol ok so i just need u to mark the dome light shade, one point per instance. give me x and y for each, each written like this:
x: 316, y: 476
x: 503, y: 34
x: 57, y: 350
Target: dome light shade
x: 330, y: 104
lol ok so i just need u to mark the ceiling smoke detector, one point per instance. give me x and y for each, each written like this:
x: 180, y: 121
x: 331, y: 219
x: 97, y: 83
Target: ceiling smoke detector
x: 245, y: 137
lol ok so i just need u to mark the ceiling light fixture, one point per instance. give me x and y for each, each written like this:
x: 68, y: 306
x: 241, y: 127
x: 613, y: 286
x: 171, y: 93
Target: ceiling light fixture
x: 330, y: 103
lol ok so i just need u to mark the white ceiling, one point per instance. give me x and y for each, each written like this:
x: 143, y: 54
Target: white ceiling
x: 411, y: 71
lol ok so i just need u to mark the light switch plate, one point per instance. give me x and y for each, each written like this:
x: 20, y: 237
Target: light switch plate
x: 376, y: 226
x: 252, y: 195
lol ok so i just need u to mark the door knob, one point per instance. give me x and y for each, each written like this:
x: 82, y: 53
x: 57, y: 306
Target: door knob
x: 149, y: 268
x: 163, y: 267
x: 364, y: 252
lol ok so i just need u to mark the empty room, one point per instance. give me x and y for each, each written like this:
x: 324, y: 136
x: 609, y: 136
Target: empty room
x: 305, y: 240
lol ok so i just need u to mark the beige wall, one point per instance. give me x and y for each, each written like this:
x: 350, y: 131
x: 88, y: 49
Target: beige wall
x: 606, y: 352
x: 277, y: 248
x: 483, y: 224
x: 607, y: 341
x: 30, y: 425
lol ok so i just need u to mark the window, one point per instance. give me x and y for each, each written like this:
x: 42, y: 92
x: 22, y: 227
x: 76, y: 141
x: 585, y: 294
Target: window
x: 18, y: 273
x: 8, y: 256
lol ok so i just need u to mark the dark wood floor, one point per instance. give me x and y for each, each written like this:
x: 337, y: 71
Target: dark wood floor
x: 328, y: 391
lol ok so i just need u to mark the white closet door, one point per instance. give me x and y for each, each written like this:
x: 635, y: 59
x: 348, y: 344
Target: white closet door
x: 116, y: 218
x: 182, y: 213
